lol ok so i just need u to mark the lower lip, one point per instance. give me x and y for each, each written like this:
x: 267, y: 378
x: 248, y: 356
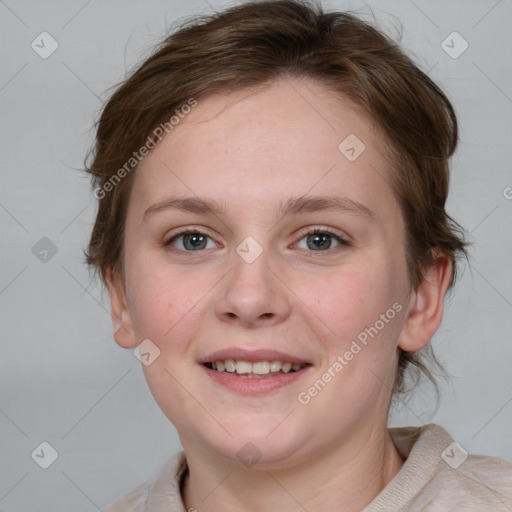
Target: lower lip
x: 253, y: 386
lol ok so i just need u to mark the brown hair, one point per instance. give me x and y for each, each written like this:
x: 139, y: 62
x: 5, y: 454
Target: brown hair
x: 254, y: 44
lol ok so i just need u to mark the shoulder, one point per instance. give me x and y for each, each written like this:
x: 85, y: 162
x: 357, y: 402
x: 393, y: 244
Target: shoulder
x: 479, y: 481
x: 439, y: 475
x: 161, y: 493
x: 134, y: 501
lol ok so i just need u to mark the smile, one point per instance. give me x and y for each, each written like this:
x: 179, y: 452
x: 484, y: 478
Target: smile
x: 256, y: 369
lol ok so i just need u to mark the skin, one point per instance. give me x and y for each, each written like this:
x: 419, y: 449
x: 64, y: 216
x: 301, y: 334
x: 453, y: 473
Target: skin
x: 250, y: 151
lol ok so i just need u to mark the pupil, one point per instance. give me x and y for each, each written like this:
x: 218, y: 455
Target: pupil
x: 196, y: 241
x: 320, y: 241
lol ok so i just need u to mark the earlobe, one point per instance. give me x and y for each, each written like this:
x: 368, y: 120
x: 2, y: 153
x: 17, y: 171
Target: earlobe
x: 426, y: 306
x: 124, y: 333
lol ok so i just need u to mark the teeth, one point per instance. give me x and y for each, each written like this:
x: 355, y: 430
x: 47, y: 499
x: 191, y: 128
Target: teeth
x: 230, y: 365
x: 243, y: 367
x: 275, y: 366
x: 256, y: 368
x: 261, y: 368
x: 286, y: 367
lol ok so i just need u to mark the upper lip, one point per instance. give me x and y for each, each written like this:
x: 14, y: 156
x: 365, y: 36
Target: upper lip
x: 252, y: 356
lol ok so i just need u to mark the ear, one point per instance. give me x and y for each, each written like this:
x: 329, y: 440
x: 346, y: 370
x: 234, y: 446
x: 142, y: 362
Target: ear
x: 426, y: 305
x: 124, y: 333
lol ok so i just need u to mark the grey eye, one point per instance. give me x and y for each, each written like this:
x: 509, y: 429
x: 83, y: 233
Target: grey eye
x: 320, y: 241
x: 191, y: 241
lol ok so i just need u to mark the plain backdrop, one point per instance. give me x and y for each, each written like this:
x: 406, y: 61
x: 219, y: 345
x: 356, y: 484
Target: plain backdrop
x: 64, y: 381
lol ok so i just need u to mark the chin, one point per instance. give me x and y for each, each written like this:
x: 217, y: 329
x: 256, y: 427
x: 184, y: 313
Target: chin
x: 259, y: 444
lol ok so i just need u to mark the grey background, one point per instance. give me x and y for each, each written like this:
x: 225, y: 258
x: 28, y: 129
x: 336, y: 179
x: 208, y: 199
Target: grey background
x: 63, y: 378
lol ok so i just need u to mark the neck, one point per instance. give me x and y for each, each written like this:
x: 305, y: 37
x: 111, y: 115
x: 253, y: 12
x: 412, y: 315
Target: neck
x: 341, y: 478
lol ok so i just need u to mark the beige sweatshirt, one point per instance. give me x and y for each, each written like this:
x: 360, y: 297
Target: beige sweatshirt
x: 437, y: 476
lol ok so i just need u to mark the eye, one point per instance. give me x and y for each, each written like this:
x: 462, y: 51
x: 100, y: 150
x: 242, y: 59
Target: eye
x: 317, y: 240
x: 321, y: 240
x: 190, y: 240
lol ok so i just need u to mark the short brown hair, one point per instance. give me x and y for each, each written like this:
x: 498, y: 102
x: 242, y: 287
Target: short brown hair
x: 254, y: 44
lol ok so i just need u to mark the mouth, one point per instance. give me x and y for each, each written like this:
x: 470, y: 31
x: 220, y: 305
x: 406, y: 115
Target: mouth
x: 256, y: 369
x: 252, y: 372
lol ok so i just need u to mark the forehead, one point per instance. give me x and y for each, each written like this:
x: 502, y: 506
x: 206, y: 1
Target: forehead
x: 291, y: 138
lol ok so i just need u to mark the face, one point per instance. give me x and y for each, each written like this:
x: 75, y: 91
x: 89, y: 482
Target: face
x: 301, y: 265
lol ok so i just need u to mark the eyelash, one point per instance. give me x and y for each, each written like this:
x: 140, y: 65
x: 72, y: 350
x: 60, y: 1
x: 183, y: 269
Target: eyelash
x: 313, y: 231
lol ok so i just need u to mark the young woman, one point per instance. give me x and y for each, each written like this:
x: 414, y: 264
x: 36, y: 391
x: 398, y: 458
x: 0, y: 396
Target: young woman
x: 273, y: 235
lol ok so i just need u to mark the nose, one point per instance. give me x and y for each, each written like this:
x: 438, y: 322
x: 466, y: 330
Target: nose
x: 253, y: 294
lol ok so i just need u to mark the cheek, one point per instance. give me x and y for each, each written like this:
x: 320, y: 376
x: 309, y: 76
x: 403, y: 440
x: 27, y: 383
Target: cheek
x: 166, y: 308
x: 350, y: 300
x: 362, y: 312
x: 161, y: 300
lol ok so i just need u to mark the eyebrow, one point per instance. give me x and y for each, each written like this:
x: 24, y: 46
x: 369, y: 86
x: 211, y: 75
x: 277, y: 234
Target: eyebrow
x: 294, y: 205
